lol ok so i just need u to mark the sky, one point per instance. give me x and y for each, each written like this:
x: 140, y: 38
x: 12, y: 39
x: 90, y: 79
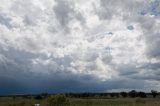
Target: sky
x: 79, y: 46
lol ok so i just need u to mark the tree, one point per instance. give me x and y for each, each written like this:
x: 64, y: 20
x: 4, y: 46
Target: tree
x: 45, y: 94
x: 38, y: 97
x: 142, y: 94
x: 117, y: 95
x: 154, y: 93
x: 123, y: 94
x: 57, y: 100
x: 112, y: 95
x: 132, y: 93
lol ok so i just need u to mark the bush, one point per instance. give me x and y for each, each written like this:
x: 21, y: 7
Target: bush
x: 123, y: 94
x: 57, y: 100
x: 112, y: 95
x: 38, y: 97
x: 154, y: 93
x: 142, y: 94
x: 132, y: 93
x: 45, y: 95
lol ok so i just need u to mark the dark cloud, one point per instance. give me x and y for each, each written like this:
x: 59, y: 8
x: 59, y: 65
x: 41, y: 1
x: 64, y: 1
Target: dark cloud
x: 127, y: 69
x: 19, y: 76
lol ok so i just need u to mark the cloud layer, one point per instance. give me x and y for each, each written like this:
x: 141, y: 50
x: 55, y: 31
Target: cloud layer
x: 79, y: 46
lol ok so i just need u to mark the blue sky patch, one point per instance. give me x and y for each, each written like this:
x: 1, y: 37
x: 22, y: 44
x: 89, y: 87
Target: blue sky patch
x: 130, y: 27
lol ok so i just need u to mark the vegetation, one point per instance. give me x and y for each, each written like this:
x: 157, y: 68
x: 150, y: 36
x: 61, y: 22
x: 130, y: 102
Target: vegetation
x: 57, y: 100
x: 124, y: 94
x: 132, y: 93
x: 154, y: 93
x: 132, y: 98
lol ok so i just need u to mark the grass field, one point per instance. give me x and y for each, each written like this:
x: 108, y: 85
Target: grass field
x: 116, y: 102
x: 19, y: 101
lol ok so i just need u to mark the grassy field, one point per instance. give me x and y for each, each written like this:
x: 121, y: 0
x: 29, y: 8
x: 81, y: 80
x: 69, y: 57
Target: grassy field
x: 19, y: 101
x: 116, y: 102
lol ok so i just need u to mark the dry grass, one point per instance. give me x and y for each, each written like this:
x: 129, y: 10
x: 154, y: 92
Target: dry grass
x: 8, y: 101
x: 116, y: 102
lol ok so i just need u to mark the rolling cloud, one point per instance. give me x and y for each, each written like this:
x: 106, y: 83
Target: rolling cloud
x: 79, y: 46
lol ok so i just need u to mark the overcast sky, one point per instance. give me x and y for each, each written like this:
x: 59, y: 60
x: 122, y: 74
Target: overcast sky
x: 79, y: 45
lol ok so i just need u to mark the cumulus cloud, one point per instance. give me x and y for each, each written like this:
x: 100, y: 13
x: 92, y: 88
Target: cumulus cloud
x: 69, y: 46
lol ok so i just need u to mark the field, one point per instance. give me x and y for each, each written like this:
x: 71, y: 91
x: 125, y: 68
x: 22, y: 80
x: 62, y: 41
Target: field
x: 21, y: 101
x: 116, y: 102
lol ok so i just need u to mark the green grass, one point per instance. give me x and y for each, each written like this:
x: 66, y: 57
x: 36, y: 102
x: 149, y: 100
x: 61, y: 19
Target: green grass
x: 19, y: 101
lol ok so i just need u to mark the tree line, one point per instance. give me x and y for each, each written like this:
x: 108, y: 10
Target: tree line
x: 132, y: 94
x: 123, y: 94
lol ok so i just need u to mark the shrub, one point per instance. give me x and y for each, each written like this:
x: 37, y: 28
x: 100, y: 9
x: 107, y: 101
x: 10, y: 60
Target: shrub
x: 112, y: 95
x: 132, y: 93
x: 38, y: 97
x: 123, y: 94
x: 45, y: 95
x: 57, y: 100
x: 154, y: 93
x: 142, y: 94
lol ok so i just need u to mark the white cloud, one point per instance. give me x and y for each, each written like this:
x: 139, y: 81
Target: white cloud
x: 61, y: 36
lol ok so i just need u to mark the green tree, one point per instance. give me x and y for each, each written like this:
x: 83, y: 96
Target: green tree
x: 57, y: 100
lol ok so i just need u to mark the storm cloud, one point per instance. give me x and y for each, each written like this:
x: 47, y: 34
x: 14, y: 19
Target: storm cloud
x: 79, y: 46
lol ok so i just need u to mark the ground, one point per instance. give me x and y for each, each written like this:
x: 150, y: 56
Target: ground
x: 21, y: 101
